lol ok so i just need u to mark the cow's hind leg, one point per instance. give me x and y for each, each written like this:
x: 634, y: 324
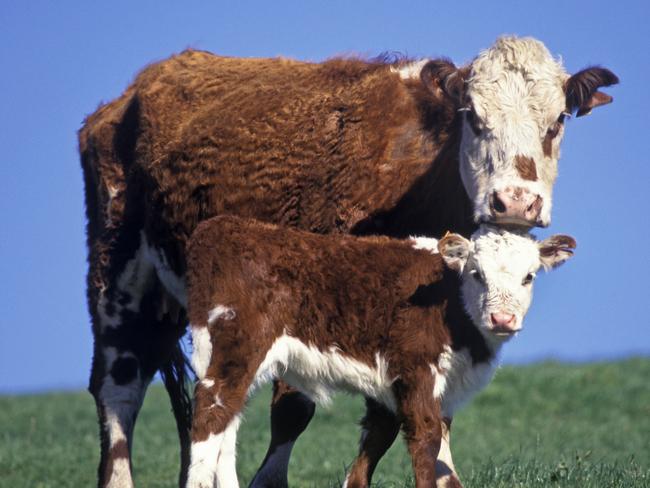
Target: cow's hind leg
x: 379, y: 426
x: 291, y: 412
x: 175, y: 378
x: 123, y: 293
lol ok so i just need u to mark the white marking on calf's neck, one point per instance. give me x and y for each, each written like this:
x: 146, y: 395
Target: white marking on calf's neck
x: 458, y: 379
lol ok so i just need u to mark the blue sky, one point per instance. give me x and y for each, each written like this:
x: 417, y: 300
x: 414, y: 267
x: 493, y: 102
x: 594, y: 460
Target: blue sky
x: 60, y: 59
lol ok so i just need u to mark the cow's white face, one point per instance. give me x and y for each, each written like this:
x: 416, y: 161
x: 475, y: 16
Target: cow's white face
x: 497, y: 269
x: 514, y: 105
x: 514, y: 98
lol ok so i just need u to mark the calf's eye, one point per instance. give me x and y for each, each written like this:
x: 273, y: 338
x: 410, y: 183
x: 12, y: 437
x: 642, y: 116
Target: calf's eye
x: 476, y: 275
x: 528, y: 279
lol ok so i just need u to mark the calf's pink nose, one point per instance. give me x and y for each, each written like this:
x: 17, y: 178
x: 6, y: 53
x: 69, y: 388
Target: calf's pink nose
x: 503, y: 320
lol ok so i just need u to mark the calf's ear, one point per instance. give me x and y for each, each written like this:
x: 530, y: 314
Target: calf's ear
x: 582, y: 89
x: 444, y: 79
x: 555, y: 250
x: 454, y: 250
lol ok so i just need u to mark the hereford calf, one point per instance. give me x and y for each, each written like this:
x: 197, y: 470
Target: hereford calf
x: 414, y: 330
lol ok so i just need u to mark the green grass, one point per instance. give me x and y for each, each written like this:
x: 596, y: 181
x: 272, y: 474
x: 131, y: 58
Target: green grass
x: 544, y: 425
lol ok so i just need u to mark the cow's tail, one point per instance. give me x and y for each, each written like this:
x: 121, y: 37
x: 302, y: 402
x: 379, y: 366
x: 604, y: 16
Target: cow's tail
x: 178, y: 377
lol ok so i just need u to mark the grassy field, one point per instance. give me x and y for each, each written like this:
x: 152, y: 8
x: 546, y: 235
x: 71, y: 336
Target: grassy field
x: 544, y: 425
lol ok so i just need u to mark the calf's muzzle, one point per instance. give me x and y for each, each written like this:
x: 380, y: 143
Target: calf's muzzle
x: 503, y: 323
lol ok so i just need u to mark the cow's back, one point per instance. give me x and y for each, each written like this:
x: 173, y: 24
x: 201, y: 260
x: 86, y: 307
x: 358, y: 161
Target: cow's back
x: 318, y: 146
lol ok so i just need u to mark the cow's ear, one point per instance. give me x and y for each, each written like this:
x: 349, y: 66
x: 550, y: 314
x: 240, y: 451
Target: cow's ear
x: 582, y: 89
x: 555, y: 250
x: 454, y: 250
x: 444, y: 79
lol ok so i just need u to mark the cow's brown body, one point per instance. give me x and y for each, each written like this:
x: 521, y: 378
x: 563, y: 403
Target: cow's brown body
x: 342, y: 146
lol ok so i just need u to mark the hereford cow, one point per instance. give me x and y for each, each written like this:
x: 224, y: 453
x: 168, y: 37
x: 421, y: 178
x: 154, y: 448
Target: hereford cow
x: 343, y: 146
x: 376, y: 316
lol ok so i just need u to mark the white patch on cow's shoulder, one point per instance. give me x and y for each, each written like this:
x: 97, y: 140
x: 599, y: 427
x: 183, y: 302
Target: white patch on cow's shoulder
x: 203, y: 462
x: 459, y: 378
x: 202, y: 350
x: 121, y: 474
x: 220, y: 312
x: 319, y: 374
x: 426, y: 243
x: 411, y: 70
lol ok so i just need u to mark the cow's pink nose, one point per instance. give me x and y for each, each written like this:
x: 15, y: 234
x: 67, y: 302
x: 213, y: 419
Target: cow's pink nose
x: 514, y: 205
x: 504, y: 321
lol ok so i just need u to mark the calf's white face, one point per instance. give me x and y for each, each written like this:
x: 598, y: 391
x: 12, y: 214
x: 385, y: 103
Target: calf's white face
x: 514, y: 98
x: 497, y: 271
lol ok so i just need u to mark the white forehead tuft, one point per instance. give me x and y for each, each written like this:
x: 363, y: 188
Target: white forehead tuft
x: 410, y: 70
x: 501, y: 250
x: 517, y: 74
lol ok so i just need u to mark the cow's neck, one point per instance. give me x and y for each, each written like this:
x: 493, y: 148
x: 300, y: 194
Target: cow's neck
x: 436, y: 200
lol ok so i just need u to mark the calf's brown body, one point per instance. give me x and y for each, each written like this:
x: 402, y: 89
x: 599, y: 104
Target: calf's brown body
x: 364, y: 299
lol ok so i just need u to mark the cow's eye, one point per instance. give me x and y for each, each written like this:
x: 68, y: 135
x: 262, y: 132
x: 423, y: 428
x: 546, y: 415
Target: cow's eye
x: 476, y: 275
x: 472, y: 120
x: 554, y: 130
x: 528, y: 279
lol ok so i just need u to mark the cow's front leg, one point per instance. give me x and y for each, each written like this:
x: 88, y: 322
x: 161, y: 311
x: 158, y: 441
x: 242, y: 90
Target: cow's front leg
x: 421, y: 423
x: 446, y: 476
x: 379, y: 429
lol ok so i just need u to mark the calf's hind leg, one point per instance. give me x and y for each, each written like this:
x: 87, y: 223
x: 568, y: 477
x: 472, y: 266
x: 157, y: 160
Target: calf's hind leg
x: 225, y: 362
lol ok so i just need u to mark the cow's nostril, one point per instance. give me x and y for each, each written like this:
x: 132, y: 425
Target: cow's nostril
x: 497, y: 204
